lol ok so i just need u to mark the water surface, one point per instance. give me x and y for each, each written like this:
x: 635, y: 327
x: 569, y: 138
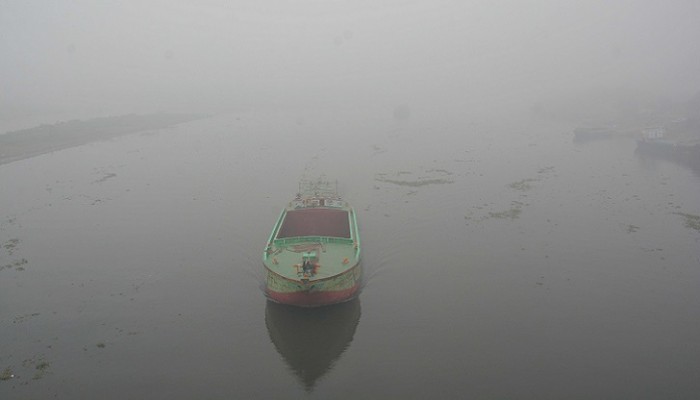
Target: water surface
x: 502, y: 260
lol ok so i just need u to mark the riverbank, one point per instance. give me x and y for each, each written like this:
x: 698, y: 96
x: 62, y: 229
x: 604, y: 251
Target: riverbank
x: 26, y: 143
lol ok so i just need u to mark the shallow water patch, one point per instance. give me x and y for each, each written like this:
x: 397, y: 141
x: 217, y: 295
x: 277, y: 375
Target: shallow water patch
x: 691, y: 221
x: 6, y: 374
x: 10, y: 247
x: 428, y: 177
x: 522, y: 185
x: 631, y: 228
x: 513, y: 213
x: 39, y: 365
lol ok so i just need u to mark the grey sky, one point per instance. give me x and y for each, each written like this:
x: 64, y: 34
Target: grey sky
x: 107, y: 57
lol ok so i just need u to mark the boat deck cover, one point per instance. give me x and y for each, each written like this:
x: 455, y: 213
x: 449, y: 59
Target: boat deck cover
x: 315, y: 222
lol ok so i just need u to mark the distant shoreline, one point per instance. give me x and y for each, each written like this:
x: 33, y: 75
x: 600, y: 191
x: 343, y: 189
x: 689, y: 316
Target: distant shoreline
x: 26, y: 143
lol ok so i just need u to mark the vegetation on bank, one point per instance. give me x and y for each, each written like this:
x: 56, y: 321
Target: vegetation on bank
x: 26, y: 143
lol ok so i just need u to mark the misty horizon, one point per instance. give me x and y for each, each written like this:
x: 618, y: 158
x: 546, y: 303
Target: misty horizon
x: 84, y: 59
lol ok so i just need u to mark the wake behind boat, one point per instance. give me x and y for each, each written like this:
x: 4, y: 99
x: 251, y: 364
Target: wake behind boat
x: 312, y: 257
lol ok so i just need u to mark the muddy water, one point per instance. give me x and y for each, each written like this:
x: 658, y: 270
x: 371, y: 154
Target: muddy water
x: 502, y: 260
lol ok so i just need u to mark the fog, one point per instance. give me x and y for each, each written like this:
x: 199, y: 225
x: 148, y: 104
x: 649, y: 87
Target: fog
x: 68, y: 59
x: 525, y: 178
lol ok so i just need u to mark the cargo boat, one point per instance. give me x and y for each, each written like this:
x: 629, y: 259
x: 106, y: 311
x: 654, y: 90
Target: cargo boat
x: 312, y: 257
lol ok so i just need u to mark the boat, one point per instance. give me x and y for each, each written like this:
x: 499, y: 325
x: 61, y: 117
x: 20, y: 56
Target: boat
x: 312, y: 257
x: 686, y: 153
x: 659, y: 146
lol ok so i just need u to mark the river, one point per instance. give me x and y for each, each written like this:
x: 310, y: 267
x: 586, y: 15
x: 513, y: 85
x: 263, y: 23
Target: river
x: 502, y: 260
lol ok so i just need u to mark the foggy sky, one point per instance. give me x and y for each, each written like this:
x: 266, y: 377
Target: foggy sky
x: 98, y: 58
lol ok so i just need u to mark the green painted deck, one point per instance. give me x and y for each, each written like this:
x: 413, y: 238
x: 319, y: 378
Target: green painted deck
x: 305, y: 233
x: 286, y: 261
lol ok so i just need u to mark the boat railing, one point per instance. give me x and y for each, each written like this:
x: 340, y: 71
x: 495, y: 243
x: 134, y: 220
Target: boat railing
x: 320, y: 187
x: 356, y: 234
x: 305, y: 239
x: 272, y: 235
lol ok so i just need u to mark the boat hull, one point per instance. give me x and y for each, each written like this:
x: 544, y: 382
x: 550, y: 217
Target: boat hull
x: 314, y: 293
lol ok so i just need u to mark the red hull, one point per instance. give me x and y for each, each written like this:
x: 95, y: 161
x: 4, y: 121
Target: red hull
x: 314, y: 299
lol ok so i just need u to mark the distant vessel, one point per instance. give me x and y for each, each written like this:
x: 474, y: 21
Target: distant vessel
x: 659, y: 146
x: 682, y: 149
x: 683, y: 152
x: 312, y: 257
x: 655, y: 141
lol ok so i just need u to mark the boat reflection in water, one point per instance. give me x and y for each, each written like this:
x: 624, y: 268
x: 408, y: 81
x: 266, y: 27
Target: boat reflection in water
x: 687, y: 155
x: 311, y: 340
